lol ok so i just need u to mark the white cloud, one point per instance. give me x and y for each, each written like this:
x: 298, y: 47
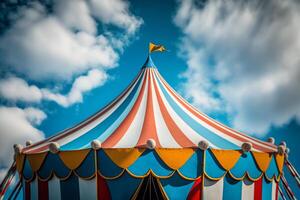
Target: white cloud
x: 17, y: 126
x: 75, y: 14
x: 56, y: 46
x: 82, y: 84
x: 45, y: 49
x: 115, y: 12
x: 45, y: 46
x: 16, y: 89
x: 243, y: 56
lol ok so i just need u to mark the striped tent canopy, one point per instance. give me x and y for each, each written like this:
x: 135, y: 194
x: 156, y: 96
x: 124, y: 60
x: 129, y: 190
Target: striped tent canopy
x: 150, y: 109
x: 149, y: 143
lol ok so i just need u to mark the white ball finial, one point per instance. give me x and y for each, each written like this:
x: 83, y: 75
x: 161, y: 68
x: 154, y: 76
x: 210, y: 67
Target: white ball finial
x: 203, y: 145
x: 28, y: 143
x: 287, y: 150
x: 271, y: 140
x: 246, y: 147
x: 54, y: 147
x: 281, y: 149
x: 96, y: 144
x: 151, y: 144
x: 283, y: 143
x: 18, y: 148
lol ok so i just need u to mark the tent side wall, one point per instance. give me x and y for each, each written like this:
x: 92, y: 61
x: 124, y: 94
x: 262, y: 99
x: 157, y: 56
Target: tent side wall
x: 187, y: 173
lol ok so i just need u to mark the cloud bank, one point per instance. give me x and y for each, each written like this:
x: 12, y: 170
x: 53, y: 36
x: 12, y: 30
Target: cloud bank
x: 17, y: 126
x: 16, y: 89
x: 57, y: 41
x: 45, y: 46
x: 243, y: 56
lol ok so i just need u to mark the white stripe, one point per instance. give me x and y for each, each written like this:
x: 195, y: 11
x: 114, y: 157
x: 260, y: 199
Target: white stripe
x: 164, y: 136
x: 98, y: 121
x: 34, y: 189
x: 204, y: 124
x: 91, y: 125
x: 247, y: 189
x: 54, y: 188
x: 212, y: 120
x: 121, y: 117
x: 132, y: 135
x: 274, y: 187
x: 213, y: 189
x: 184, y: 127
x: 87, y: 188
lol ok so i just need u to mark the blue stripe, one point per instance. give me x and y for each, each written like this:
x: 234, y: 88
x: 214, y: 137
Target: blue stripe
x: 176, y: 187
x: 272, y: 169
x: 87, y: 168
x: 106, y: 166
x: 105, y: 128
x: 212, y: 166
x: 207, y: 134
x: 69, y: 189
x: 245, y: 164
x: 53, y: 164
x: 193, y: 167
x: 149, y: 160
x: 283, y: 191
x: 266, y: 190
x: 27, y: 170
x: 123, y: 187
x: 22, y: 194
x: 232, y: 189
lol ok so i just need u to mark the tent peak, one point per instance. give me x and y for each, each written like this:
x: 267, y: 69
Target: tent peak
x: 149, y: 63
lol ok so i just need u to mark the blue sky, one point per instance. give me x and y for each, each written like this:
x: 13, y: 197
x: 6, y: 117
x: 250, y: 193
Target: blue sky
x: 235, y: 61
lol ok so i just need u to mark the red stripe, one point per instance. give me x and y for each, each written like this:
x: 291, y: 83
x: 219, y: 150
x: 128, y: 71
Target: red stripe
x: 200, y: 115
x: 83, y: 124
x: 276, y: 192
x: 27, y: 190
x: 149, y: 127
x: 103, y: 192
x: 43, y: 192
x: 115, y: 137
x: 177, y: 134
x: 212, y: 122
x: 258, y: 189
x: 6, y: 186
x: 196, y: 190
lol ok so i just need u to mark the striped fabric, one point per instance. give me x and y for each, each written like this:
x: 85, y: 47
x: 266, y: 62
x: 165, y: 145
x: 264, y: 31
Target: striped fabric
x: 223, y: 189
x: 227, y: 188
x: 149, y: 109
x: 55, y: 189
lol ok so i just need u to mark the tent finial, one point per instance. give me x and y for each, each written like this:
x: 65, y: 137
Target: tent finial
x: 149, y: 63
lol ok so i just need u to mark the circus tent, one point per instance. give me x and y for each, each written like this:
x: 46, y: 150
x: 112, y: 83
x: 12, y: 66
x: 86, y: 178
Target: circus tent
x: 150, y: 143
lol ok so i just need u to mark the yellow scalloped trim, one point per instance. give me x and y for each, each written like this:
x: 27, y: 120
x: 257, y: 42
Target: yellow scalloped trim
x: 124, y: 157
x: 111, y: 178
x: 20, y: 158
x: 227, y: 158
x: 187, y: 178
x: 73, y: 159
x: 127, y: 156
x: 175, y: 158
x: 148, y: 172
x: 36, y: 160
x: 262, y: 160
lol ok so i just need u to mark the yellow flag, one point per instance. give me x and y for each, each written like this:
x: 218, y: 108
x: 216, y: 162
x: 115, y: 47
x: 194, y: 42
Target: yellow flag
x: 154, y: 47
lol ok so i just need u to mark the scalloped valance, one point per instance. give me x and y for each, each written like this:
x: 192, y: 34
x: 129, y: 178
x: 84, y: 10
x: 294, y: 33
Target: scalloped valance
x: 189, y: 163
